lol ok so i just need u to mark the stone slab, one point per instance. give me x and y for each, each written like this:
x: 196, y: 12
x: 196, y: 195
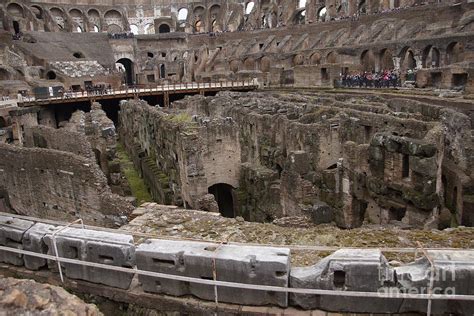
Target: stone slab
x: 11, y: 235
x: 243, y: 264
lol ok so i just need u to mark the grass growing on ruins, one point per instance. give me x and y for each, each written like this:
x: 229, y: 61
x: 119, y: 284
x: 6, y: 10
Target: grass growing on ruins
x: 139, y: 189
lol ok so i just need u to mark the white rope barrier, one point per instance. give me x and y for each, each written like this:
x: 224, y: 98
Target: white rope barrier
x: 292, y: 247
x: 246, y: 286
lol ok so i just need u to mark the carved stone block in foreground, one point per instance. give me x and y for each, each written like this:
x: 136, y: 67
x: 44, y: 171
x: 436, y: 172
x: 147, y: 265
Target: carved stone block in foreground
x: 33, y: 241
x: 364, y: 270
x: 243, y: 264
x: 99, y: 247
x: 11, y: 235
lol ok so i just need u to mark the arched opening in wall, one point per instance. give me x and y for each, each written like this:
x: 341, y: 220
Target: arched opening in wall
x: 249, y: 64
x: 265, y: 64
x: 15, y: 10
x: 300, y: 17
x: 301, y: 4
x: 164, y: 28
x: 182, y: 14
x: 367, y: 61
x: 315, y: 59
x: 78, y: 29
x: 134, y: 29
x: 331, y: 58
x: 51, y: 75
x: 128, y: 66
x: 214, y: 26
x: 95, y: 29
x: 79, y: 55
x: 249, y: 7
x: 3, y: 122
x: 386, y: 59
x: 16, y: 27
x: 198, y: 27
x: 454, y: 53
x: 58, y: 16
x: 322, y: 12
x: 234, y: 66
x: 93, y: 13
x: 298, y: 60
x: 37, y: 11
x: 408, y: 62
x: 114, y: 29
x: 362, y: 7
x: 431, y: 57
x: 162, y: 71
x: 224, y: 198
x: 149, y: 28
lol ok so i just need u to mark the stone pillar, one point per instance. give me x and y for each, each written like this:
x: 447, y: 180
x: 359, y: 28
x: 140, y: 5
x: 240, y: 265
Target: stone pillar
x: 396, y: 63
x: 419, y: 62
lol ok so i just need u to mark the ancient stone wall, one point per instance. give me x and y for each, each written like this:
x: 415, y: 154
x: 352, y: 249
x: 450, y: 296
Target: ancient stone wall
x: 331, y: 157
x: 60, y: 185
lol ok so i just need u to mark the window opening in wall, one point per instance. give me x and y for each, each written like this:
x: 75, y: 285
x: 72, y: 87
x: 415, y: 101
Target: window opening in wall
x: 96, y: 29
x: 78, y: 55
x: 162, y: 71
x: 324, y: 74
x: 339, y: 279
x: 260, y: 46
x: 182, y: 14
x: 150, y: 78
x: 405, y: 166
x: 367, y: 133
x: 51, y: 75
x: 249, y: 7
x: 150, y: 55
x: 459, y: 80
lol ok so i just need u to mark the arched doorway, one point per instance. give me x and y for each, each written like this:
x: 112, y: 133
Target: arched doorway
x: 164, y: 28
x: 367, y: 61
x: 128, y: 65
x: 223, y: 195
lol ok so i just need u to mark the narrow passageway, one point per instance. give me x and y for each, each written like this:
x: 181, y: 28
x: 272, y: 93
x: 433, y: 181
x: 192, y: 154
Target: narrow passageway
x: 223, y: 194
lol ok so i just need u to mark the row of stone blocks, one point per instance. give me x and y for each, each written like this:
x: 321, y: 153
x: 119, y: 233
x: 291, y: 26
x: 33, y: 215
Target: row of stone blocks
x: 363, y: 270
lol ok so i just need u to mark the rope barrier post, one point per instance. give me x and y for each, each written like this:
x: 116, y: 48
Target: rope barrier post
x: 55, y: 247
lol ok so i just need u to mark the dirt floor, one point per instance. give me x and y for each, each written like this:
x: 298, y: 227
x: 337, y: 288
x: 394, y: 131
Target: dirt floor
x: 169, y: 221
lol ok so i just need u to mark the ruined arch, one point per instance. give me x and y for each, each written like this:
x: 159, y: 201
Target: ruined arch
x: 5, y: 74
x: 332, y: 58
x: 407, y: 59
x: 300, y: 17
x: 249, y: 64
x: 223, y: 193
x: 454, y: 53
x: 431, y: 57
x: 249, y: 7
x: 37, y: 11
x: 164, y: 28
x: 315, y: 59
x: 128, y: 66
x: 51, y: 75
x: 234, y: 66
x: 93, y: 13
x: 75, y: 13
x: 112, y: 14
x: 362, y: 7
x: 198, y: 27
x: 15, y: 10
x: 298, y: 60
x: 182, y: 14
x: 265, y: 63
x: 367, y: 60
x: 322, y: 12
x: 386, y: 59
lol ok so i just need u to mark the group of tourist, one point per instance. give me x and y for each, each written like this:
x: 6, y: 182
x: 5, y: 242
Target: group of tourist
x: 17, y: 36
x: 125, y: 35
x: 381, y: 79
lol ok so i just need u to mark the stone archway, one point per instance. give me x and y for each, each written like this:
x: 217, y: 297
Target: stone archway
x: 223, y: 193
x: 128, y: 65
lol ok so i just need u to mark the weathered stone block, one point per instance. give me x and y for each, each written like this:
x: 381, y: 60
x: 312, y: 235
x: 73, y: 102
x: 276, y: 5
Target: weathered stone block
x: 299, y: 162
x: 33, y: 241
x: 426, y: 166
x: 99, y: 247
x: 11, y: 235
x: 320, y: 213
x: 243, y: 264
x: 346, y: 270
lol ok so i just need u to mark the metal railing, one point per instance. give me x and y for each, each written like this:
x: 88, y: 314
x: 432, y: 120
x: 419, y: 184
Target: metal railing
x: 141, y: 90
